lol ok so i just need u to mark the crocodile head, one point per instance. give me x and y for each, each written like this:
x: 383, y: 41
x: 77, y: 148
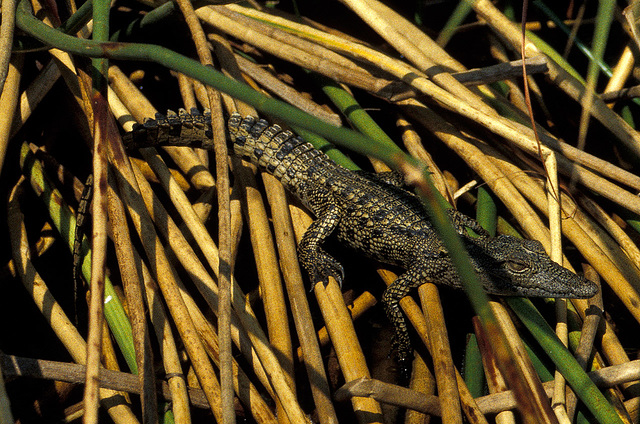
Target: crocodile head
x: 509, y: 266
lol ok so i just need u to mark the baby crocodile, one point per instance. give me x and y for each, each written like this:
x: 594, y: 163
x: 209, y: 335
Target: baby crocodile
x: 374, y: 215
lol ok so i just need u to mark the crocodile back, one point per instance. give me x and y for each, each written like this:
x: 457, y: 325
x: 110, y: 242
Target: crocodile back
x: 376, y: 218
x: 299, y: 166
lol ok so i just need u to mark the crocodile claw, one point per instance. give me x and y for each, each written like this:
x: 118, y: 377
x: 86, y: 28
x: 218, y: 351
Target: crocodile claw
x: 325, y: 266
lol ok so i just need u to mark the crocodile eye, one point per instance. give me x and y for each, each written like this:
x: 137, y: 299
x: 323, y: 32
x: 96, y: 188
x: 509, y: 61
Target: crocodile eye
x: 516, y: 266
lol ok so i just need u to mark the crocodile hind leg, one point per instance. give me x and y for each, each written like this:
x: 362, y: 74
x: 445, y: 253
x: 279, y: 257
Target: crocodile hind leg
x: 461, y: 222
x: 391, y: 300
x: 318, y: 263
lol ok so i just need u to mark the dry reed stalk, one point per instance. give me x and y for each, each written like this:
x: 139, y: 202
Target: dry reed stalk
x: 573, y: 88
x: 109, y: 357
x: 518, y: 134
x: 186, y: 255
x: 310, y: 350
x: 588, y: 334
x: 444, y: 369
x: 293, y: 49
x: 413, y: 144
x: 203, y: 205
x: 244, y: 387
x: 390, y: 394
x: 621, y: 72
x: 182, y: 249
x: 559, y: 400
x: 164, y: 275
x: 415, y: 316
x: 359, y: 306
x: 6, y: 35
x: 150, y: 176
x: 552, y: 189
x: 417, y: 37
x: 573, y: 156
x: 184, y: 208
x: 516, y: 96
x: 617, y: 374
x: 158, y: 317
x: 65, y: 372
x: 422, y: 381
x: 605, y: 242
x: 600, y: 185
x: 45, y: 241
x: 209, y: 289
x: 286, y: 38
x: 504, y: 71
x: 621, y: 238
x: 403, y: 44
x: 618, y: 403
x: 271, y: 290
x: 195, y: 226
x: 576, y: 156
x: 224, y: 219
x: 50, y: 308
x: 104, y: 131
x: 340, y: 328
x: 286, y: 92
x: 348, y: 349
x: 403, y: 72
x: 633, y: 407
x: 8, y: 103
x: 611, y: 347
x: 62, y: 64
x: 591, y: 322
x: 237, y: 224
x: 561, y: 328
x: 34, y: 93
x: 503, y: 401
x: 170, y: 358
x: 187, y: 94
x: 127, y: 263
x: 495, y: 379
x: 498, y: 402
x: 529, y: 374
x: 229, y: 64
x: 200, y: 91
x: 465, y: 189
x: 569, y: 163
x: 186, y: 159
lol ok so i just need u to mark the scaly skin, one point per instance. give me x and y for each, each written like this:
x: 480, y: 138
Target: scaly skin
x: 372, y: 214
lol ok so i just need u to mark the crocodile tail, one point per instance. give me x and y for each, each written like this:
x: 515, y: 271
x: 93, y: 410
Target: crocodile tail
x: 184, y: 128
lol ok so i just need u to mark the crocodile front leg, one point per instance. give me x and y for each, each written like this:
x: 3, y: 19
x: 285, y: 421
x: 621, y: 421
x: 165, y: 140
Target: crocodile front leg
x: 461, y: 222
x: 391, y: 297
x: 318, y: 263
